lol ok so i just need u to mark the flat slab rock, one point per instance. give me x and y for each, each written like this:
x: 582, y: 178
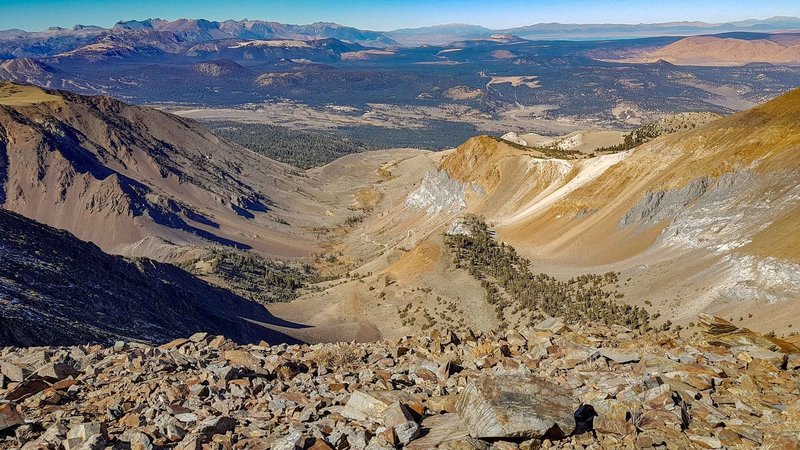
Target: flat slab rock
x: 620, y: 356
x: 446, y: 430
x: 363, y: 407
x: 516, y: 406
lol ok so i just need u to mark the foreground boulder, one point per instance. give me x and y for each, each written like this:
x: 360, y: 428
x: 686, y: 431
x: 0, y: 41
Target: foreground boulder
x: 444, y: 431
x: 514, y: 406
x: 363, y: 407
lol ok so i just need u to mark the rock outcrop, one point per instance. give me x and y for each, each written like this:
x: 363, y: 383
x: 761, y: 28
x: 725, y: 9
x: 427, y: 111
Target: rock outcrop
x: 219, y: 68
x: 439, y: 194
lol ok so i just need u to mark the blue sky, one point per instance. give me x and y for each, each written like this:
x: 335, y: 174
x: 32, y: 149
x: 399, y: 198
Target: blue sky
x: 389, y: 14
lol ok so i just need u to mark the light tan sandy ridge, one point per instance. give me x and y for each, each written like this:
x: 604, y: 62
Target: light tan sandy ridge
x: 584, y: 141
x: 20, y: 95
x: 716, y: 51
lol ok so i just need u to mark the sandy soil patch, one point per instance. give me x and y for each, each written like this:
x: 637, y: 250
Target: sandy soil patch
x: 272, y: 43
x: 529, y: 81
x: 298, y: 115
x: 462, y: 93
x: 503, y: 54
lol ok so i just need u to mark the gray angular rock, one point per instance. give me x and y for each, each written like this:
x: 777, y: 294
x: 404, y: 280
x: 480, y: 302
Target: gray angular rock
x: 86, y: 436
x: 291, y: 441
x: 9, y: 417
x: 216, y: 425
x: 362, y: 407
x: 83, y: 431
x: 516, y: 406
x: 619, y: 356
x: 14, y: 372
x: 445, y: 431
x: 552, y: 325
x: 137, y: 440
x: 397, y: 416
x: 57, y: 371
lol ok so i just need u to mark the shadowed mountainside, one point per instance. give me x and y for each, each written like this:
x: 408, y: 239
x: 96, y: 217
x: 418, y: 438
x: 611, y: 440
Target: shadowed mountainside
x: 58, y: 290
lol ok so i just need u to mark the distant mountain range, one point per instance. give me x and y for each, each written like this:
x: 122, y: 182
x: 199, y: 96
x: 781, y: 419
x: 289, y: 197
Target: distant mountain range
x: 239, y: 64
x: 17, y: 43
x: 172, y: 36
x: 598, y: 31
x: 444, y: 34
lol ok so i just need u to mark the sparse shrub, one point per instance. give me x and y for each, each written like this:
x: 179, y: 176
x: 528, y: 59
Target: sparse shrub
x: 340, y: 356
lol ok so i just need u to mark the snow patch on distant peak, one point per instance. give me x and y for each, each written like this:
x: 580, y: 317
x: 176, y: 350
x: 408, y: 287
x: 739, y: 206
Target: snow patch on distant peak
x: 271, y: 43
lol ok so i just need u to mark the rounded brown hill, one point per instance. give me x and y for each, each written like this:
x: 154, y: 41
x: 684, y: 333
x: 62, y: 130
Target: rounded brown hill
x: 725, y: 51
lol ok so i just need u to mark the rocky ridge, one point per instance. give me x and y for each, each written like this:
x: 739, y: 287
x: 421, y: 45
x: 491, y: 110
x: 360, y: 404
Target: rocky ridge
x: 549, y: 386
x: 115, y: 174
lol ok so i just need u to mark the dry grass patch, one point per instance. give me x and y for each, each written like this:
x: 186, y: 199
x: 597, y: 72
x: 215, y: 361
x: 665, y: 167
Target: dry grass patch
x: 19, y: 95
x: 367, y: 198
x: 340, y: 356
x: 463, y: 93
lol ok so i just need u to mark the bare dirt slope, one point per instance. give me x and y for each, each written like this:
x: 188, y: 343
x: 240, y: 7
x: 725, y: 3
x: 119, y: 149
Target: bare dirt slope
x: 701, y: 220
x: 115, y: 174
x: 402, y: 279
x: 724, y: 51
x: 726, y: 192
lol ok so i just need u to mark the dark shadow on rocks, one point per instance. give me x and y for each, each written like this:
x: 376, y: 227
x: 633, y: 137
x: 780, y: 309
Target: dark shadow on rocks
x: 584, y: 419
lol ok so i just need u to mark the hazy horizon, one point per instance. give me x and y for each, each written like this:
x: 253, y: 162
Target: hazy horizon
x: 38, y: 15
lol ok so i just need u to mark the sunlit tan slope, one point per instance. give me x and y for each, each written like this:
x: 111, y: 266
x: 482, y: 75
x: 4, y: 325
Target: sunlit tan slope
x: 699, y: 220
x: 728, y: 51
x: 115, y: 174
